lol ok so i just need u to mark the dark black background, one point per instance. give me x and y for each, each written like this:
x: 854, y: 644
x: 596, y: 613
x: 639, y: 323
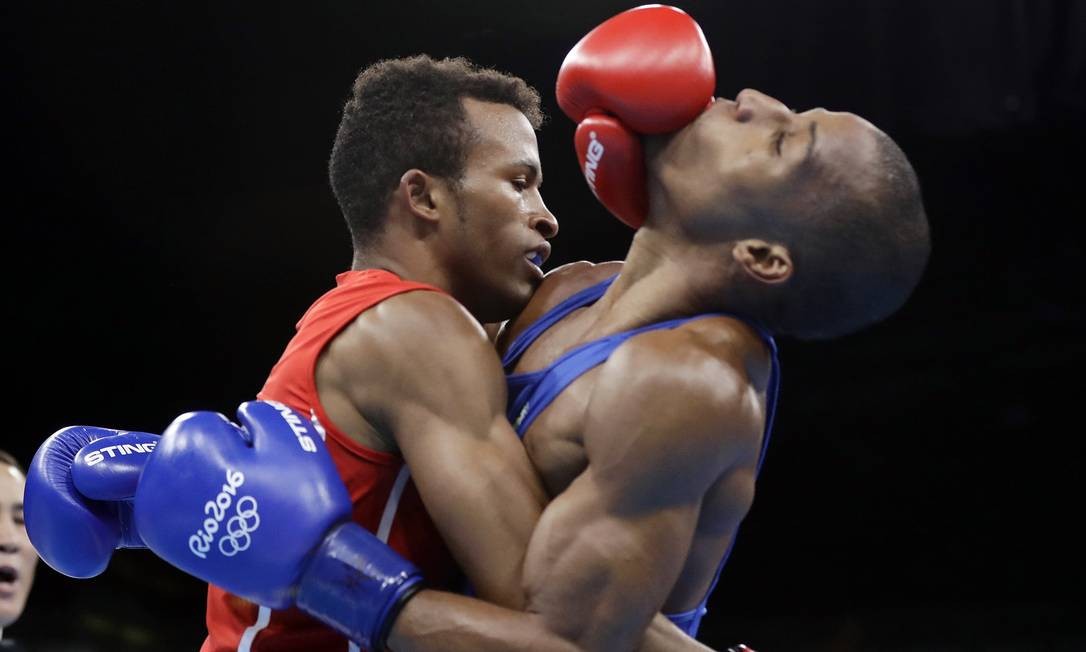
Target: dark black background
x: 168, y: 220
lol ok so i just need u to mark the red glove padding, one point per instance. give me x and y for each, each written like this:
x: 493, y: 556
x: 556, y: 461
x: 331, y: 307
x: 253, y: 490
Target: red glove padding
x: 623, y: 177
x: 649, y: 71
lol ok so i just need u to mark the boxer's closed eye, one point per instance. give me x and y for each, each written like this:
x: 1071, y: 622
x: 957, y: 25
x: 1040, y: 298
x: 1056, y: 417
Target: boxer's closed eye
x: 778, y: 141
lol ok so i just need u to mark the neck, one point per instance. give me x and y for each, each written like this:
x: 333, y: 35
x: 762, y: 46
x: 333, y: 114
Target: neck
x: 667, y: 277
x: 405, y: 255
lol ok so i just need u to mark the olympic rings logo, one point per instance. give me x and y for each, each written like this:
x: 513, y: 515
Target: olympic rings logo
x: 239, y: 527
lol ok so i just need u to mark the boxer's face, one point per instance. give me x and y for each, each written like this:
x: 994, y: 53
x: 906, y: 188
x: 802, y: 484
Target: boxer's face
x: 17, y: 556
x: 502, y: 226
x: 753, y: 157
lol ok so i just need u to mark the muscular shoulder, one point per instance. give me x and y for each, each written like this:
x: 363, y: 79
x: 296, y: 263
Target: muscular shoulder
x: 410, y: 348
x: 409, y: 327
x: 685, y: 396
x: 559, y: 284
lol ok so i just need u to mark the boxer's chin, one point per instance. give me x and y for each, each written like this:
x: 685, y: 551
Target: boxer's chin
x: 11, y: 605
x: 511, y: 300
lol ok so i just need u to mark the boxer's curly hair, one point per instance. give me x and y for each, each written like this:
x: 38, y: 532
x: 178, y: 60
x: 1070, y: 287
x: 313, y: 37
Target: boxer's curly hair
x: 407, y: 113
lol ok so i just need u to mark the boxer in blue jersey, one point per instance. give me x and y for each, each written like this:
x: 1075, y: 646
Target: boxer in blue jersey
x: 644, y: 390
x: 556, y: 437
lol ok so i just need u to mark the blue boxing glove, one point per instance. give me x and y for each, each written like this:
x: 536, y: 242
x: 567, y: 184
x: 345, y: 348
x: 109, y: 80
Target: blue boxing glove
x: 76, y: 502
x: 259, y: 510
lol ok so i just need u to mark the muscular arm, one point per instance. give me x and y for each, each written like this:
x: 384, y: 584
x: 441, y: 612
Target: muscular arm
x: 434, y: 621
x: 432, y: 384
x: 608, y: 550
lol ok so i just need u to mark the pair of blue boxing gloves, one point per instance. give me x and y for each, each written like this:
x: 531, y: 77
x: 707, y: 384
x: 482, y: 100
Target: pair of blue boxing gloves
x: 255, y: 507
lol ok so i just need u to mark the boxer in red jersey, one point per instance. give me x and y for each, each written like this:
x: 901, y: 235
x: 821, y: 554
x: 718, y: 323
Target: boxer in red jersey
x: 437, y: 172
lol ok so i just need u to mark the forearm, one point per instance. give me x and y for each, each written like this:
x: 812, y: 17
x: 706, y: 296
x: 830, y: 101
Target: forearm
x: 434, y: 621
x: 662, y: 635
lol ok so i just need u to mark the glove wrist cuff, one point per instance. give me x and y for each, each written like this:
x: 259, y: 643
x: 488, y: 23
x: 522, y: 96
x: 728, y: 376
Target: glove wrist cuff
x: 357, y: 585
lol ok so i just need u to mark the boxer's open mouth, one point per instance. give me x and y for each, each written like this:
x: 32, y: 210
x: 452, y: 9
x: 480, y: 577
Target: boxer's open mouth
x: 8, y: 575
x: 539, y: 254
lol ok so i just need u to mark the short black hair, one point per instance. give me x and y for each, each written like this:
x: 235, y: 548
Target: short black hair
x: 861, y: 254
x: 9, y: 459
x: 407, y: 113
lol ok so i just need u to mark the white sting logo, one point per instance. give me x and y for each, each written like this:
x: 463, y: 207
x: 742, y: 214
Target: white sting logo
x: 592, y: 161
x: 245, y: 520
x: 99, y: 456
x: 297, y: 426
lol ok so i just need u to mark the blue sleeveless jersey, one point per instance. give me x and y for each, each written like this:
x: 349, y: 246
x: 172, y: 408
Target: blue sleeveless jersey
x: 531, y: 393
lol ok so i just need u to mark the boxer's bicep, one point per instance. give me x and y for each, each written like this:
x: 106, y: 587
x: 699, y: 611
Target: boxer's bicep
x: 441, y: 397
x: 483, y: 496
x: 666, y: 419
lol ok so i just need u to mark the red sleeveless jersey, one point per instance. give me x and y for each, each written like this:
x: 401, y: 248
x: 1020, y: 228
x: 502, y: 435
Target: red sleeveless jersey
x: 384, y: 498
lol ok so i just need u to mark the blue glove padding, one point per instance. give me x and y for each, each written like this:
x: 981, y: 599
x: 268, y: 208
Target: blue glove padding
x: 109, y: 469
x: 72, y: 533
x: 259, y: 510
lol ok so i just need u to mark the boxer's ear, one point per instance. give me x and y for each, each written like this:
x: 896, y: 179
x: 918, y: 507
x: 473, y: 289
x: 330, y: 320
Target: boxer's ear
x: 425, y: 196
x: 764, y: 261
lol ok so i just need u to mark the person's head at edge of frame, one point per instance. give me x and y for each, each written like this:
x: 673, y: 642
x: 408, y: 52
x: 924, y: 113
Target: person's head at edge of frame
x: 18, y: 560
x: 436, y: 170
x: 815, y: 218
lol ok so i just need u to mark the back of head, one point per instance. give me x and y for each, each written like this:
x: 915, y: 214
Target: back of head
x: 407, y: 113
x: 858, y: 251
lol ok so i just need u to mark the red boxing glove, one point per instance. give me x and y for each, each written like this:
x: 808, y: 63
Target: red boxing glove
x: 645, y: 71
